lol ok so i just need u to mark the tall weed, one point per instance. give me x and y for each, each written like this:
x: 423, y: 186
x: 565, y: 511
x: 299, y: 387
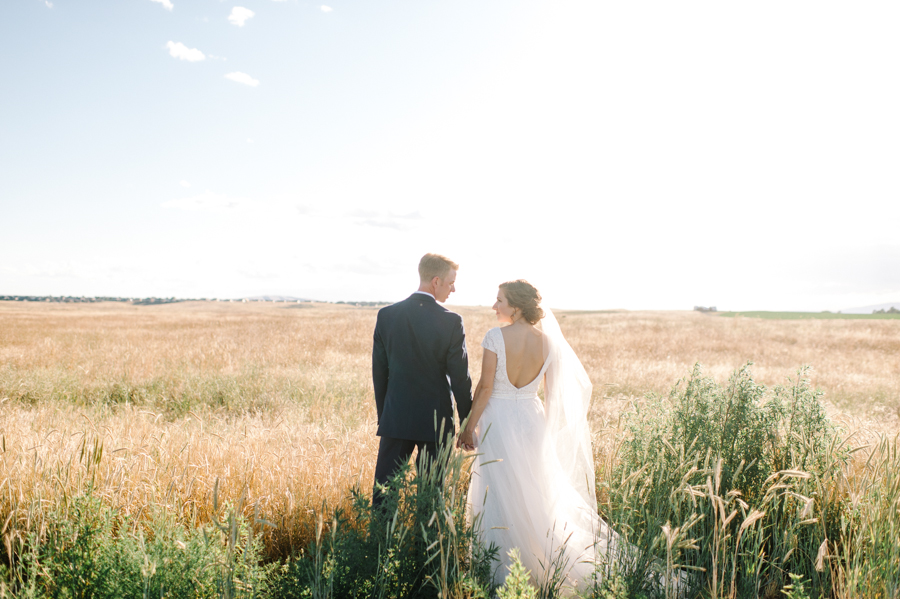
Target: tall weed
x: 416, y: 544
x: 869, y: 548
x: 743, y: 476
x: 84, y: 549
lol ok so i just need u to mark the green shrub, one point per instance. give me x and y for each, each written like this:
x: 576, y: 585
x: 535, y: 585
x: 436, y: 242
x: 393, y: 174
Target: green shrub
x: 517, y: 584
x: 743, y: 477
x: 417, y: 544
x: 88, y: 551
x: 869, y: 547
x: 796, y: 589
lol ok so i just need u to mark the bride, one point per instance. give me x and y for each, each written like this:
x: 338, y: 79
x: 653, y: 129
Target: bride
x: 533, y: 477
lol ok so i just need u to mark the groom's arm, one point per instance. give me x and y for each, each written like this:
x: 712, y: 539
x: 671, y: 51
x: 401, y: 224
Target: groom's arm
x: 380, y: 370
x: 458, y: 370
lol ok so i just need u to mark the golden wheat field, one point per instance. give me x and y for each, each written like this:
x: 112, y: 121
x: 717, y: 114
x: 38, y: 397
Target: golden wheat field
x: 269, y: 406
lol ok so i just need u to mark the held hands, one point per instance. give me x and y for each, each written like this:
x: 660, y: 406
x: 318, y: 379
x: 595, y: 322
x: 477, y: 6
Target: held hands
x: 466, y: 440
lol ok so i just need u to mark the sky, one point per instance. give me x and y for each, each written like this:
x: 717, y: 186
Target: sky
x: 632, y: 155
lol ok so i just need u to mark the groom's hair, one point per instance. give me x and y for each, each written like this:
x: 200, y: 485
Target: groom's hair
x: 435, y: 265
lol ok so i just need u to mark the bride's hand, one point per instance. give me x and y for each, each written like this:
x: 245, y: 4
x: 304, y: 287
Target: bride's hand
x: 466, y: 440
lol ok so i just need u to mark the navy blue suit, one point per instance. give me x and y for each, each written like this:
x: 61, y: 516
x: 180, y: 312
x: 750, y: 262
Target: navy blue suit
x: 418, y: 357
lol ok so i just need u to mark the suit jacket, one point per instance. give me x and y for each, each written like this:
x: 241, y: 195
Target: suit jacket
x: 418, y: 357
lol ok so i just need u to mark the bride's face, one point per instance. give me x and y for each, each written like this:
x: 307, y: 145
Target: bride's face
x: 502, y: 308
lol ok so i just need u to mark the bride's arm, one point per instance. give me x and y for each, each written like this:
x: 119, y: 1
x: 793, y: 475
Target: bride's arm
x: 479, y: 402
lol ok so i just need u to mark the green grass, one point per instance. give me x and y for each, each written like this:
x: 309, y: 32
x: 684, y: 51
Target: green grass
x: 732, y: 483
x: 807, y: 315
x: 716, y: 490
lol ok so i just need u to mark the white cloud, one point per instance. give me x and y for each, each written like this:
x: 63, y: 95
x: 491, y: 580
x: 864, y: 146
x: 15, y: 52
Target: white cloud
x: 254, y: 273
x: 205, y: 201
x: 400, y: 222
x: 48, y: 3
x: 326, y: 8
x: 179, y: 50
x: 249, y: 141
x: 53, y: 269
x: 167, y: 4
x: 184, y: 183
x: 239, y: 15
x: 244, y: 78
x: 365, y: 265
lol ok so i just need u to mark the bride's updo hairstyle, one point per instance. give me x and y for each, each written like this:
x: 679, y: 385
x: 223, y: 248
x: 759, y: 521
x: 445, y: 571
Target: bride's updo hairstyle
x: 523, y: 295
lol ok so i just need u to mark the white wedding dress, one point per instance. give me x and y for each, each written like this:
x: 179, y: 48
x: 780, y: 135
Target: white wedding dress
x: 532, y: 480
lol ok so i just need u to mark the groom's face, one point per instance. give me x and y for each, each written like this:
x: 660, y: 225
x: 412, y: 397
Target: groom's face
x: 444, y: 287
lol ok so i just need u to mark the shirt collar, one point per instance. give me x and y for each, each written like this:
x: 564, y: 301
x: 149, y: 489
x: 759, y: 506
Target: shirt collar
x: 426, y: 293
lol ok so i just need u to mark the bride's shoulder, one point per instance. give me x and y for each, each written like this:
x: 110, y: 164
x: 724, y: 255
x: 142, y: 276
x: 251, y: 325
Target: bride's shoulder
x: 490, y: 339
x: 492, y: 333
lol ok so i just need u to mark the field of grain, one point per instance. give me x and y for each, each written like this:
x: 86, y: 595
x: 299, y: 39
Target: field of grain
x: 270, y: 405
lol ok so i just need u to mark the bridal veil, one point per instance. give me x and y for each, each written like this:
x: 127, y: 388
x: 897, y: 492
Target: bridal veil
x: 567, y: 399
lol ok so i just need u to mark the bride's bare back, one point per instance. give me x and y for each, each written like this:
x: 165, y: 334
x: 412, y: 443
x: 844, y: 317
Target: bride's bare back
x: 525, y: 353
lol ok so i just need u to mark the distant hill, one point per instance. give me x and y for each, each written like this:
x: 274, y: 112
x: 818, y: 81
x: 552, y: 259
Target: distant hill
x: 870, y: 309
x: 276, y: 298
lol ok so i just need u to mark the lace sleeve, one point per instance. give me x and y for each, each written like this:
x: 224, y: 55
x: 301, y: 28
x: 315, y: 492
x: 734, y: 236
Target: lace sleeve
x: 490, y: 340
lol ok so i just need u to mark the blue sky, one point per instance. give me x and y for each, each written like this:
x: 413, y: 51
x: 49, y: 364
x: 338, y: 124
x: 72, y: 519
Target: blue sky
x: 618, y: 154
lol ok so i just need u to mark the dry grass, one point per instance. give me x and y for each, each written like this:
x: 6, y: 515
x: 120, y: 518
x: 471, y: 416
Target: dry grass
x: 274, y: 400
x: 856, y: 363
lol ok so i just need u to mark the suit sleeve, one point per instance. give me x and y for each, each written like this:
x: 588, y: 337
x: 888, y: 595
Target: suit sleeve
x: 458, y: 370
x: 380, y: 370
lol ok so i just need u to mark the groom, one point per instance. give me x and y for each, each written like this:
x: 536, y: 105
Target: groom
x: 418, y: 357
